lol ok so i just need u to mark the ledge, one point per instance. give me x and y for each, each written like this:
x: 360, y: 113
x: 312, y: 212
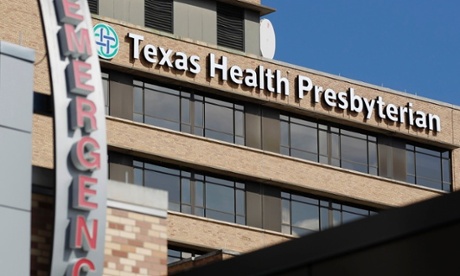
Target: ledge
x: 137, y: 199
x: 17, y: 51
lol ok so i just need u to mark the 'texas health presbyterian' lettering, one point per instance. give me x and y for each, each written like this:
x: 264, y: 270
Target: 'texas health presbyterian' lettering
x: 165, y: 57
x: 274, y: 81
x: 350, y: 101
x: 260, y: 78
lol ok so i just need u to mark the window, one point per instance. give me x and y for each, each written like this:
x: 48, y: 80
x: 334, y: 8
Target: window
x: 329, y: 145
x: 159, y: 15
x: 428, y: 167
x: 358, y: 151
x: 230, y: 26
x: 93, y: 6
x: 188, y: 112
x: 302, y: 215
x: 225, y: 199
x: 195, y: 193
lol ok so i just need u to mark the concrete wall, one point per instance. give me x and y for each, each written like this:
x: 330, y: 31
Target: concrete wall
x: 252, y: 32
x: 196, y: 19
x: 124, y: 10
x: 16, y: 96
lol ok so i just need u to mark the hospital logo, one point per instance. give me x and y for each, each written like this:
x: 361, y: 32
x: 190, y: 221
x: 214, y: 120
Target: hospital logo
x: 107, y: 42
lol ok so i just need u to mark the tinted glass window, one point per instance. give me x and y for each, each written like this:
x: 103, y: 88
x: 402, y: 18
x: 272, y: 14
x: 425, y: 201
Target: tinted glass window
x: 219, y: 122
x: 188, y: 112
x: 329, y: 145
x: 193, y: 193
x: 428, y: 167
x: 303, y: 215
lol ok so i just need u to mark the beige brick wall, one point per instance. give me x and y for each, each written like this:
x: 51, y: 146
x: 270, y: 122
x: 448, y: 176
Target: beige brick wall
x: 266, y: 167
x: 42, y: 141
x: 20, y: 23
x: 245, y: 162
x: 136, y: 244
x: 215, y: 234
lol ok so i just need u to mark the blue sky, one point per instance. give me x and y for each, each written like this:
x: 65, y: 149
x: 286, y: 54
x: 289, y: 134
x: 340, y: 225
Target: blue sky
x: 411, y: 46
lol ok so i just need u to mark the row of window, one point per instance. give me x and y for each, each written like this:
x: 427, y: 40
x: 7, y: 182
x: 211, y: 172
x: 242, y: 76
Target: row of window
x: 225, y: 199
x: 188, y: 112
x: 194, y: 193
x: 231, y: 121
x: 159, y: 15
x: 328, y: 144
x: 303, y: 215
x: 429, y: 168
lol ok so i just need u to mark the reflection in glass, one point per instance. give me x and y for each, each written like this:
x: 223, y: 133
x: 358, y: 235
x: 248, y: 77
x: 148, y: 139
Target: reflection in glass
x: 303, y: 215
x: 428, y: 167
x: 194, y: 193
x: 354, y: 150
x: 188, y: 112
x: 329, y: 145
x: 219, y: 198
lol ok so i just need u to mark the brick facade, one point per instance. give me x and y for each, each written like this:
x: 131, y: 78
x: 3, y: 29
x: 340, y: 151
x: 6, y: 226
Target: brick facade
x: 42, y: 234
x: 136, y: 244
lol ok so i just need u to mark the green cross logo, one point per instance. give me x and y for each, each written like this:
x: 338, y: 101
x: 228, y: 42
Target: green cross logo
x: 107, y: 42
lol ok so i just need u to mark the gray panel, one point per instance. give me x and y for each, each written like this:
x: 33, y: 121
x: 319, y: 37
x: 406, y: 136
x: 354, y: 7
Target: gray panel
x: 15, y: 168
x: 131, y: 11
x: 392, y: 158
x: 254, y: 205
x: 121, y: 10
x: 385, y: 157
x: 136, y: 12
x: 138, y: 196
x: 271, y: 130
x: 252, y: 32
x: 15, y: 243
x: 16, y: 86
x: 196, y: 19
x: 209, y: 22
x: 399, y: 160
x: 106, y: 8
x: 180, y: 18
x: 271, y: 208
x: 253, y: 126
x: 121, y: 96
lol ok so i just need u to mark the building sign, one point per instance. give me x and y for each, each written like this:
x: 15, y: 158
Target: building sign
x: 80, y: 138
x: 275, y: 81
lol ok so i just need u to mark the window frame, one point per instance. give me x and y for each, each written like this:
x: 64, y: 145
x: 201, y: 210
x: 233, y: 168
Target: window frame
x: 416, y: 151
x: 191, y: 111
